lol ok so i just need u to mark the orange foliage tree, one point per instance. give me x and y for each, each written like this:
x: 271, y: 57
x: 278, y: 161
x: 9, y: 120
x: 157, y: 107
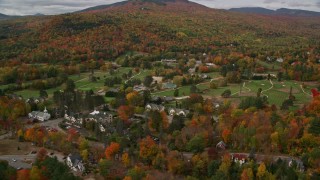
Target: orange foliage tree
x: 226, y: 135
x: 112, y: 150
x: 148, y: 149
x: 23, y: 174
x: 125, y: 112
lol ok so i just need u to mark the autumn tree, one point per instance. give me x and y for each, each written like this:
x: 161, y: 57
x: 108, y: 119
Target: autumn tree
x: 84, y: 154
x: 135, y: 99
x: 73, y: 134
x: 30, y: 134
x: 104, y: 167
x: 158, y: 121
x: 226, y: 135
x: 35, y: 173
x: 112, y: 150
x: 83, y: 144
x: 136, y: 173
x: 261, y: 171
x: 176, y: 163
x: 247, y: 174
x: 125, y: 112
x: 42, y: 154
x: 148, y: 149
x: 125, y: 159
x: 23, y: 174
x: 147, y: 81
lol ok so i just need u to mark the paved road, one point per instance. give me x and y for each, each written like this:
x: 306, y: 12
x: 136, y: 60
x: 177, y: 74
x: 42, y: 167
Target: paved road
x: 6, y: 136
x: 20, y: 160
x: 24, y: 161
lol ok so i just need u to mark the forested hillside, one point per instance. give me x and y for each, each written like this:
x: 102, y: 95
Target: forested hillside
x: 156, y: 27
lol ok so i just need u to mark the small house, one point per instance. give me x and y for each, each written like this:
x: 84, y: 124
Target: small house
x: 74, y: 161
x: 280, y: 60
x: 140, y: 88
x: 221, y: 145
x: 154, y: 107
x: 178, y: 112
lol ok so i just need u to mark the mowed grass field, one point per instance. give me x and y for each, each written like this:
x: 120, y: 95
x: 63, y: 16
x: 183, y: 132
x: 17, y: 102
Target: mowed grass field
x: 81, y: 81
x: 276, y: 93
x: 280, y: 91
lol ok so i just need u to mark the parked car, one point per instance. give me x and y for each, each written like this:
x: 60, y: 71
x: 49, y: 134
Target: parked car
x: 14, y: 160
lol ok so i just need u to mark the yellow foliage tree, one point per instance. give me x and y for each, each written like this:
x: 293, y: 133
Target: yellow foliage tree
x: 261, y: 171
x: 125, y: 159
x: 85, y: 154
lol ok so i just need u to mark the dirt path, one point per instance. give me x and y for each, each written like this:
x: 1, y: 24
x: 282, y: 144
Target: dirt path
x: 133, y: 77
x: 267, y: 89
x: 304, y: 91
x: 244, y: 86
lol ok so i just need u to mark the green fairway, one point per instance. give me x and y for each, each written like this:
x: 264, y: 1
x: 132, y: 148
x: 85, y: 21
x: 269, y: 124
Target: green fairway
x: 280, y: 91
x: 81, y: 81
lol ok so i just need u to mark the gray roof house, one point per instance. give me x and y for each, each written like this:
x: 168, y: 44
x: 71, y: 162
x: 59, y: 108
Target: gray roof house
x: 41, y: 116
x: 140, y: 88
x: 179, y: 112
x: 221, y: 145
x: 74, y: 161
x: 154, y: 107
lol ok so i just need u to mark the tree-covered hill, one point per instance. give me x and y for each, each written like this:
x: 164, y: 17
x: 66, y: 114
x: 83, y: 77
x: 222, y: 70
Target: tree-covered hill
x: 156, y: 27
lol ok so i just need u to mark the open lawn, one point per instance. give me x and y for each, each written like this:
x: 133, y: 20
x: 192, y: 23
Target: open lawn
x: 280, y: 91
x: 10, y: 147
x: 277, y: 93
x: 275, y: 66
x: 81, y: 81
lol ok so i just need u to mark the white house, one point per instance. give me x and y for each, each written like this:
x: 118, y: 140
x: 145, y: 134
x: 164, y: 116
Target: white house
x: 211, y: 65
x: 280, y: 60
x: 41, y: 116
x: 140, y: 88
x: 154, y: 107
x: 179, y: 112
x: 74, y: 161
x: 101, y: 117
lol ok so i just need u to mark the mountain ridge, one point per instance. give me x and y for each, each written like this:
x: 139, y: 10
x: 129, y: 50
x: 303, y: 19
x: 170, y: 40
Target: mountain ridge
x: 280, y: 11
x: 142, y: 3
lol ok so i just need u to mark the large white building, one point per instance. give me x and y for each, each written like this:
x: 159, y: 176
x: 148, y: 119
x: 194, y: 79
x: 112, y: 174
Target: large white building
x: 41, y: 116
